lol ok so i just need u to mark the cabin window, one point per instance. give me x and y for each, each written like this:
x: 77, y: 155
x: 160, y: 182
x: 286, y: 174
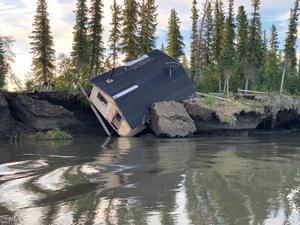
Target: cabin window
x: 116, y: 122
x: 102, y: 99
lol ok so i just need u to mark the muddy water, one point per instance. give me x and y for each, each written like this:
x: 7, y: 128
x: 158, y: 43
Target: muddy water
x: 244, y: 180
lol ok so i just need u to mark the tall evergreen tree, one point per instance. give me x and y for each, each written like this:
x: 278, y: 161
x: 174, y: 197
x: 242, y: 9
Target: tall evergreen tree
x: 227, y: 46
x: 298, y: 67
x: 80, y: 53
x: 290, y: 58
x: 217, y: 37
x: 208, y: 35
x: 115, y: 32
x: 3, y: 64
x: 175, y: 39
x: 255, y: 44
x: 96, y: 41
x: 6, y: 58
x: 202, y: 45
x: 129, y: 34
x: 218, y: 29
x: 242, y: 34
x: 162, y: 48
x: 241, y: 47
x: 273, y: 62
x: 42, y: 47
x: 274, y: 43
x: 148, y: 24
x: 194, y: 40
x: 291, y: 39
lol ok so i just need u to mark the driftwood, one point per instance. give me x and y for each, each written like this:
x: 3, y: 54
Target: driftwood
x: 251, y: 92
x: 213, y: 96
x: 217, y: 94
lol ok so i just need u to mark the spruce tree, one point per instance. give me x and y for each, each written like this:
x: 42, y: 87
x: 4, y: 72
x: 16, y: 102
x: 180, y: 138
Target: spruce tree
x: 241, y: 47
x: 42, y: 47
x: 175, y: 39
x: 148, y: 24
x: 227, y: 47
x: 194, y: 40
x: 272, y: 73
x: 290, y: 57
x: 205, y: 58
x: 95, y: 37
x: 298, y: 68
x: 6, y: 58
x: 218, y: 29
x: 255, y: 44
x: 80, y: 52
x: 290, y: 43
x: 208, y: 35
x: 129, y: 33
x: 263, y: 75
x: 242, y: 34
x: 274, y: 43
x: 115, y: 33
x: 3, y: 64
x: 162, y: 48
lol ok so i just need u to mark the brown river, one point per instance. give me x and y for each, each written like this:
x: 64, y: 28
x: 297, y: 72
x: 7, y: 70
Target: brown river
x: 110, y: 181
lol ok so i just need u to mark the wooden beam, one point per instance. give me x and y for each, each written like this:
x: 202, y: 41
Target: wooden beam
x: 251, y: 92
x: 214, y: 96
x: 217, y: 94
x: 94, y: 109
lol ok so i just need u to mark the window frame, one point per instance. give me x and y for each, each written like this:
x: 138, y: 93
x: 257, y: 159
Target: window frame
x: 101, y: 98
x: 117, y: 120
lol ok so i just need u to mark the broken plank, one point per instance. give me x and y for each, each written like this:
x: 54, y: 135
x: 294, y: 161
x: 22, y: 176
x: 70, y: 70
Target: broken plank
x: 94, y: 109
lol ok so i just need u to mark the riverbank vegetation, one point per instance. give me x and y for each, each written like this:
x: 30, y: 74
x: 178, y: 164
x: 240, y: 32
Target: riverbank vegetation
x: 228, y: 51
x: 229, y: 107
x: 51, y: 135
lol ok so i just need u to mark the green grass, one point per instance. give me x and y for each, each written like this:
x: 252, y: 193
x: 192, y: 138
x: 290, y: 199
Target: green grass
x: 84, y: 103
x: 228, y: 120
x: 227, y: 110
x: 51, y: 135
x: 15, y: 138
x: 210, y: 101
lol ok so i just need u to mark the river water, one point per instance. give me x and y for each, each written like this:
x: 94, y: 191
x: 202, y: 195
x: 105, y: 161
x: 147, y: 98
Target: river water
x: 207, y: 180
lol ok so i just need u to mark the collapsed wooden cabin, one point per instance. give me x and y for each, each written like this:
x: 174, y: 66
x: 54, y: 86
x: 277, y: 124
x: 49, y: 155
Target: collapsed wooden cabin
x: 124, y: 95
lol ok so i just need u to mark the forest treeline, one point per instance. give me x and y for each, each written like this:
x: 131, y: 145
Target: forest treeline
x: 229, y: 51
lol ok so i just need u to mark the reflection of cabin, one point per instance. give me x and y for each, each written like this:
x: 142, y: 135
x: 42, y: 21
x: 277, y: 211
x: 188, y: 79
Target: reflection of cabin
x: 124, y: 95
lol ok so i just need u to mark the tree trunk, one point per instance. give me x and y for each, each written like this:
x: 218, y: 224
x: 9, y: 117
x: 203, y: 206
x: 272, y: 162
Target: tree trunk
x: 228, y: 83
x: 224, y: 87
x: 283, y: 77
x: 246, y: 85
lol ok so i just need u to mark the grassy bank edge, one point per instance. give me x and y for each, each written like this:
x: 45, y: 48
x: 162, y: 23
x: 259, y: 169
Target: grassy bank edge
x: 51, y: 135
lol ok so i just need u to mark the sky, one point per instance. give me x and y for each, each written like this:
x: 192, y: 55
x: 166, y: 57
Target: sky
x: 16, y: 18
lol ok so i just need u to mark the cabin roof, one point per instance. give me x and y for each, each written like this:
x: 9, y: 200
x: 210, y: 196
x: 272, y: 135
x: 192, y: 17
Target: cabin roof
x: 142, y: 82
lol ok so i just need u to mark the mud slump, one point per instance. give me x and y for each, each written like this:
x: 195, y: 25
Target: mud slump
x: 215, y: 180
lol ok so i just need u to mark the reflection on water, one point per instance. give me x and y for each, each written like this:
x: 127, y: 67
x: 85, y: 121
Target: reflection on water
x: 152, y: 181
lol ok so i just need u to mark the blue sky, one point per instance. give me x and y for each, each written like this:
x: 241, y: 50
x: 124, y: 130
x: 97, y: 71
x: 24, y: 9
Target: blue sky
x: 16, y: 17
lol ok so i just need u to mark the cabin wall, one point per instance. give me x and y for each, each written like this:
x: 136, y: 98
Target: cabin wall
x: 109, y: 111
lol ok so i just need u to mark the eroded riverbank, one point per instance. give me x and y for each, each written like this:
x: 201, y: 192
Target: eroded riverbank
x: 28, y: 113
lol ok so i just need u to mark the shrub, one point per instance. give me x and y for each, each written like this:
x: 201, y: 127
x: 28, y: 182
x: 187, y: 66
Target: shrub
x: 55, y: 134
